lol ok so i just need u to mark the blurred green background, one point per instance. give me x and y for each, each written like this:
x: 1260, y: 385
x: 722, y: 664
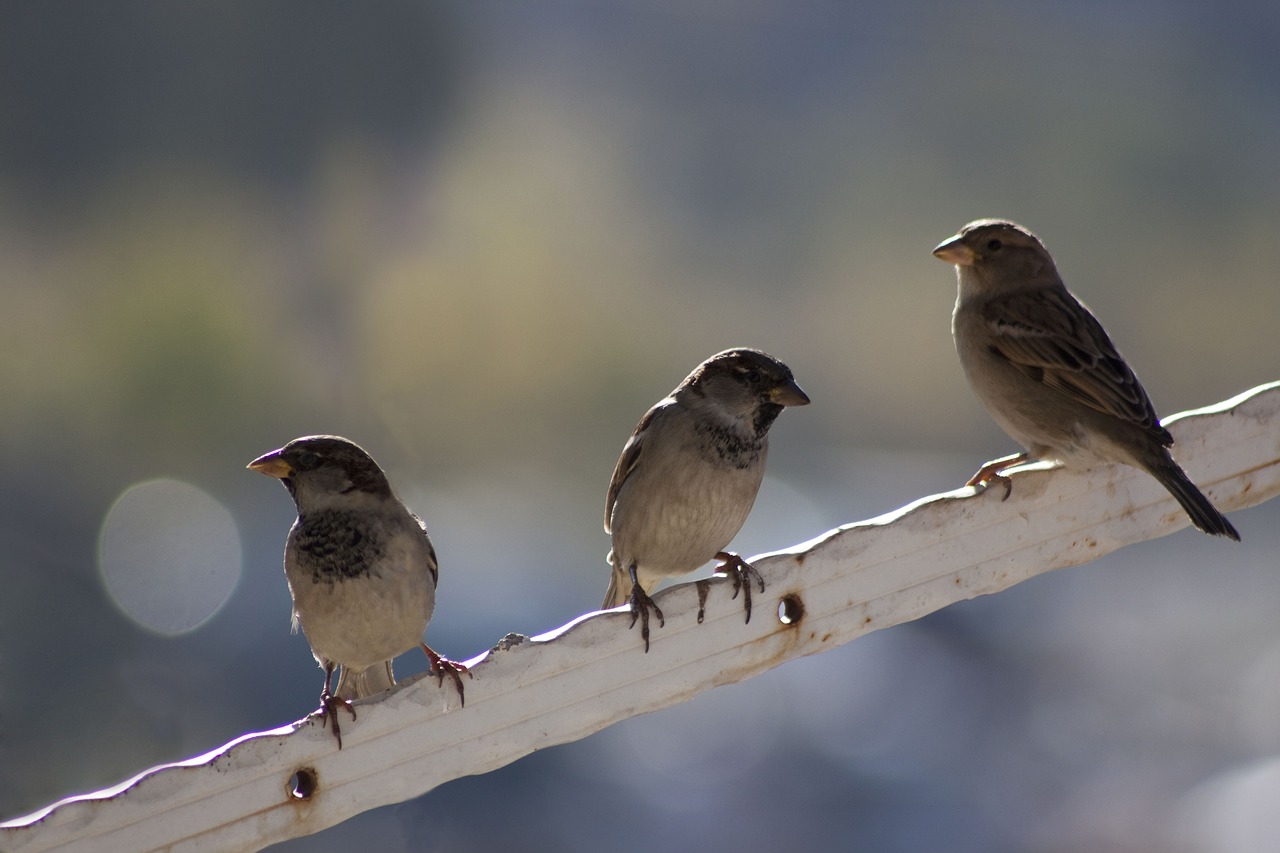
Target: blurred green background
x: 481, y: 238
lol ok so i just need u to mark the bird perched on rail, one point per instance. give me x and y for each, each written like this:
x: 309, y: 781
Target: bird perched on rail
x: 1046, y: 370
x: 688, y: 476
x: 360, y: 567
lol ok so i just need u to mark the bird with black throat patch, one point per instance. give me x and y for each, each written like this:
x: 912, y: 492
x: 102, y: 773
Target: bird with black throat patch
x: 688, y: 476
x: 360, y: 567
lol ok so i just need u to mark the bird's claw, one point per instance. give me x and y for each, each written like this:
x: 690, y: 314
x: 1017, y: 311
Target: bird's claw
x: 991, y: 473
x: 329, y: 705
x: 641, y: 604
x: 742, y: 573
x: 442, y: 666
x: 983, y: 480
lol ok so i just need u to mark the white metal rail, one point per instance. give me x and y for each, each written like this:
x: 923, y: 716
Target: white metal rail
x: 531, y: 693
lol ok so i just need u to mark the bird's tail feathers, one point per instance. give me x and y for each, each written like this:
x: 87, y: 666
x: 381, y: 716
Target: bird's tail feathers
x: 1204, y: 515
x: 354, y: 684
x: 619, y: 592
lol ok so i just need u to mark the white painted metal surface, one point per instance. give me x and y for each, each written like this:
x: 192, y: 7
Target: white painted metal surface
x: 529, y: 694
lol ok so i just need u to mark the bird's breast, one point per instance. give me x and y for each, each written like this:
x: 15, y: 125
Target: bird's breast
x: 362, y: 618
x: 674, y: 516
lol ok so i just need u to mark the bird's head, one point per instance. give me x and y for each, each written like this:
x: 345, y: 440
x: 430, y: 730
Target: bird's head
x: 744, y: 384
x: 996, y: 254
x: 318, y: 467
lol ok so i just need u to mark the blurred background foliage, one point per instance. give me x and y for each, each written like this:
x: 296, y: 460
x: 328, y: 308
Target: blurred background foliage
x: 481, y: 238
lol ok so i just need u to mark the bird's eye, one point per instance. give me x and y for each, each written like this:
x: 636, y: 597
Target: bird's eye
x: 307, y: 460
x: 754, y: 377
x: 994, y: 245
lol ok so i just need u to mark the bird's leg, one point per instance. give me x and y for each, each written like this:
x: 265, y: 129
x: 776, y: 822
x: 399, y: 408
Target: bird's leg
x: 329, y: 704
x: 442, y: 666
x: 990, y: 472
x: 641, y: 604
x: 742, y: 573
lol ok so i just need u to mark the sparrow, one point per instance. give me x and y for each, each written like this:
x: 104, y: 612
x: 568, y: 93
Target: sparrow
x: 360, y: 567
x: 688, y: 476
x: 1048, y: 373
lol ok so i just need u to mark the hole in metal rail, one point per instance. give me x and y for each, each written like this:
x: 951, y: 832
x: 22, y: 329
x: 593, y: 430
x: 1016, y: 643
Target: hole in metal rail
x: 790, y: 609
x: 303, y: 783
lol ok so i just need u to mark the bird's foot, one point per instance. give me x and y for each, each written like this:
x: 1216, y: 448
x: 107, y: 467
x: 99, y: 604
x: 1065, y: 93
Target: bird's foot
x: 442, y: 666
x: 641, y: 604
x: 329, y: 705
x: 990, y: 473
x: 703, y: 587
x: 742, y: 573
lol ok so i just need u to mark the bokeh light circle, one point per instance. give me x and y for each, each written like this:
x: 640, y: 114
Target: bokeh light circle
x: 169, y: 555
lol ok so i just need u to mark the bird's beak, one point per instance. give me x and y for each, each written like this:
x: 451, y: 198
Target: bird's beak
x: 953, y: 251
x: 788, y: 394
x: 271, y: 465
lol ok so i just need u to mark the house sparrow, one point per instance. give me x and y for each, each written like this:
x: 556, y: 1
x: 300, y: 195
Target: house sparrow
x: 360, y: 568
x: 688, y: 476
x: 1047, y: 372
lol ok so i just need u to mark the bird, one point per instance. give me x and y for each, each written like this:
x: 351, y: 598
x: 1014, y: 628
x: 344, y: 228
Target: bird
x: 688, y: 475
x: 360, y: 567
x: 1047, y: 372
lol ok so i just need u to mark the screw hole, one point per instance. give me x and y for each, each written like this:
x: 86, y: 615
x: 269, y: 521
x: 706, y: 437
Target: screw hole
x: 302, y: 784
x: 790, y: 610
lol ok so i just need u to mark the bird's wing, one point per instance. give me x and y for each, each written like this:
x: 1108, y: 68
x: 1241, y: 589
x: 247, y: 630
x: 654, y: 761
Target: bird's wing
x: 628, y: 460
x: 431, y: 551
x: 1053, y: 338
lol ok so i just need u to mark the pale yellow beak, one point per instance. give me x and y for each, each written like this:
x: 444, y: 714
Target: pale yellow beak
x: 953, y: 251
x: 271, y: 465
